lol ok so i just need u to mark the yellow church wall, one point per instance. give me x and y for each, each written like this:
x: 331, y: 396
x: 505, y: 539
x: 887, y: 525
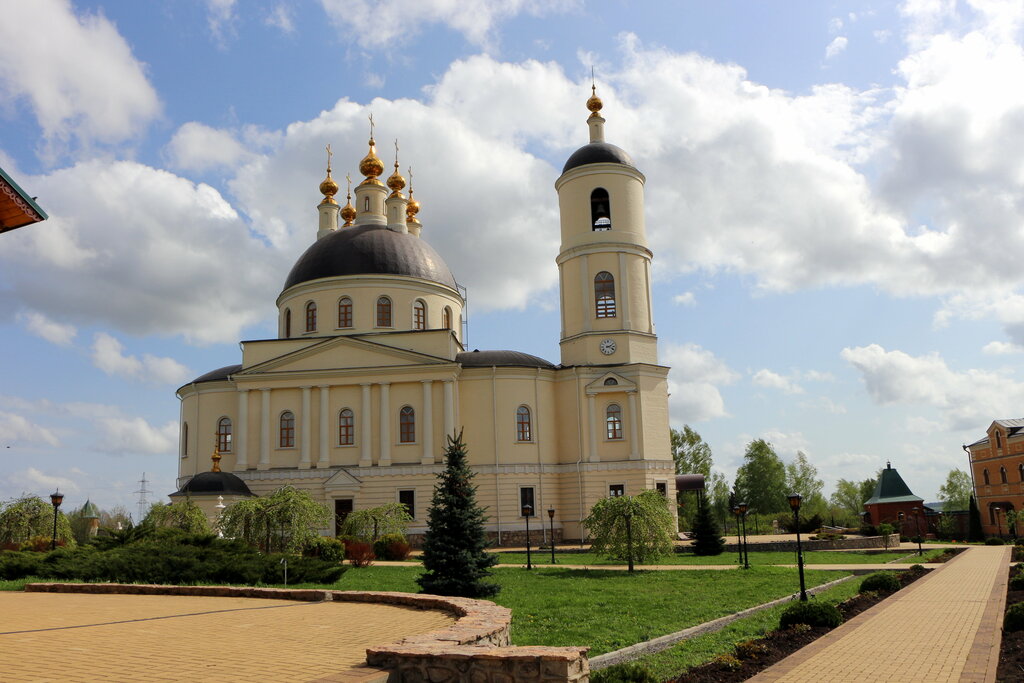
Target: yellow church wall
x: 626, y: 197
x: 261, y: 350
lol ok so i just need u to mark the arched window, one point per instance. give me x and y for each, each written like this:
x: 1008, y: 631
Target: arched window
x: 224, y: 435
x: 407, y: 425
x: 1002, y: 474
x: 600, y: 210
x: 311, y: 317
x: 287, y: 323
x: 611, y: 382
x: 524, y: 428
x: 366, y: 203
x: 1020, y: 470
x: 419, y: 315
x: 999, y: 440
x: 383, y: 312
x: 184, y: 440
x: 984, y: 475
x: 346, y: 428
x: 287, y: 439
x: 604, y: 294
x: 447, y: 321
x: 613, y: 421
x: 344, y: 312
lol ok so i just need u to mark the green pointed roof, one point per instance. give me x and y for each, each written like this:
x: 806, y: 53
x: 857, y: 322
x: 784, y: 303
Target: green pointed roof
x: 892, y: 489
x: 90, y: 511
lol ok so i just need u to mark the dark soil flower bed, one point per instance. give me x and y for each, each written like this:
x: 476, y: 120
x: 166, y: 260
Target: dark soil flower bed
x: 1011, y: 651
x: 754, y: 656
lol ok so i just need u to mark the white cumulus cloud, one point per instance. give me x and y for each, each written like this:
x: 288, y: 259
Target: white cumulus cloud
x: 52, y: 331
x: 108, y: 355
x: 773, y: 380
x: 835, y: 47
x: 134, y: 436
x: 694, y: 382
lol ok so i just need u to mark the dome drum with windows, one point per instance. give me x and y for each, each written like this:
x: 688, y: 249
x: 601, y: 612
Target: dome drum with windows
x: 368, y: 375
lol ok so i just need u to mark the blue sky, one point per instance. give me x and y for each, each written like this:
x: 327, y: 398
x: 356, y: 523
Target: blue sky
x: 834, y: 199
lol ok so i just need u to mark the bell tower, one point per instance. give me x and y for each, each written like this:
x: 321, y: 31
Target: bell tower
x: 604, y: 263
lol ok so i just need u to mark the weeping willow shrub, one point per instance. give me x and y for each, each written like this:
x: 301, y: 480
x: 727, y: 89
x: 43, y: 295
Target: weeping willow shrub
x: 373, y: 523
x: 28, y: 517
x: 650, y: 521
x: 181, y: 514
x: 284, y: 521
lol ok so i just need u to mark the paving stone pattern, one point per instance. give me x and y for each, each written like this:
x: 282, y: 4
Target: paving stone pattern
x: 80, y: 637
x: 944, y: 627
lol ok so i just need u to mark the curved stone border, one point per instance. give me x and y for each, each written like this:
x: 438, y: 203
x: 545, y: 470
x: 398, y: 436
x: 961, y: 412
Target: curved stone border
x: 475, y: 648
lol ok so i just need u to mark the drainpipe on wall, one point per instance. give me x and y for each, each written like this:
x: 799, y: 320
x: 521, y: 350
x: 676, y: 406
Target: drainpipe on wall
x: 537, y: 442
x: 579, y: 431
x: 494, y: 422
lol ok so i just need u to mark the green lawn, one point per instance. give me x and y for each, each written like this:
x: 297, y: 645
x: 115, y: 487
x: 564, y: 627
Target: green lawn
x: 672, y: 662
x: 608, y: 610
x: 929, y: 555
x: 729, y: 558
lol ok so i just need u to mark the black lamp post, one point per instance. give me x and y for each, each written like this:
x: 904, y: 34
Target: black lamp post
x: 794, y: 502
x: 56, y: 498
x: 551, y: 520
x: 743, y: 522
x: 739, y: 538
x: 527, y: 512
x: 917, y: 526
x: 999, y: 525
x: 629, y: 538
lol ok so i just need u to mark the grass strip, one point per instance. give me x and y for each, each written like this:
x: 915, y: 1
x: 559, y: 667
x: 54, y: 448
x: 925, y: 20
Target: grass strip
x: 756, y: 558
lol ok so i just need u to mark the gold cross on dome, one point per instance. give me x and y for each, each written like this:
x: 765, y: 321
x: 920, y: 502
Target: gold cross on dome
x: 329, y: 155
x: 371, y: 125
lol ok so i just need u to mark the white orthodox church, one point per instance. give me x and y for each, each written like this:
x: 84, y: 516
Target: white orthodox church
x: 354, y: 399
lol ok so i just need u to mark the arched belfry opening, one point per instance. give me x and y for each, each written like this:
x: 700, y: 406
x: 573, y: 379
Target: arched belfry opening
x: 600, y: 210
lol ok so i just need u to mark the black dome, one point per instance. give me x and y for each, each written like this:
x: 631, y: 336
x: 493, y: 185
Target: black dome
x: 486, y: 359
x: 215, y: 482
x: 217, y: 375
x: 597, y: 153
x: 370, y: 250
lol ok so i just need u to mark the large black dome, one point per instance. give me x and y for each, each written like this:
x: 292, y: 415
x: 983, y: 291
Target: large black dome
x: 597, y: 153
x: 215, y: 482
x: 370, y: 250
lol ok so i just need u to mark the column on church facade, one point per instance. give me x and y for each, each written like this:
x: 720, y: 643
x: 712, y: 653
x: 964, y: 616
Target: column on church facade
x: 623, y: 293
x: 242, y: 439
x: 385, y: 425
x: 428, y: 423
x: 634, y: 418
x: 592, y: 421
x: 325, y: 428
x: 365, y: 455
x: 305, y: 427
x: 264, y: 463
x: 585, y: 287
x: 449, y: 410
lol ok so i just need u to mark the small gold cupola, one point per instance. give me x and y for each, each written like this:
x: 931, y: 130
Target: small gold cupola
x: 371, y: 193
x: 371, y: 166
x: 411, y: 209
x: 328, y: 207
x: 348, y: 212
x: 595, y: 120
x: 215, y: 467
x: 396, y: 203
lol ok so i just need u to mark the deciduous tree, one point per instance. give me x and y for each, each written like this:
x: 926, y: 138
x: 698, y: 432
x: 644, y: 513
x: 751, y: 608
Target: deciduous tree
x: 372, y: 523
x: 285, y: 520
x: 650, y: 525
x: 956, y: 492
x: 761, y: 479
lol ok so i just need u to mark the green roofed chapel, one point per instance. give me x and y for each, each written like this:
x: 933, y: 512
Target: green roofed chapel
x: 368, y: 375
x: 892, y: 496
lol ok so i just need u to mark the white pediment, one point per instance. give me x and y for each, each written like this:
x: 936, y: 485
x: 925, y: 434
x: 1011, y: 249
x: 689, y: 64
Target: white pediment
x: 342, y: 352
x: 610, y: 382
x: 342, y: 481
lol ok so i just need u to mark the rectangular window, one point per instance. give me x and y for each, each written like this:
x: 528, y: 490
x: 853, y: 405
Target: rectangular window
x: 616, y: 490
x: 342, y: 507
x: 408, y: 499
x: 526, y: 498
x: 662, y: 488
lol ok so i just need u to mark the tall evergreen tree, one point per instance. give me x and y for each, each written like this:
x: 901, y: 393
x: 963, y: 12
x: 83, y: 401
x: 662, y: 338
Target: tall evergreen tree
x: 455, y: 547
x: 707, y: 540
x: 974, y: 530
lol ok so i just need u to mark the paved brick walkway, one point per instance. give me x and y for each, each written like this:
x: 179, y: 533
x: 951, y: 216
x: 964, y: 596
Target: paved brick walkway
x: 70, y: 637
x: 944, y: 627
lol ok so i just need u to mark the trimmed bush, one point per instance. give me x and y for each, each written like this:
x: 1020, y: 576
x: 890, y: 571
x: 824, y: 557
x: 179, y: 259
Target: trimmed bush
x: 382, y: 547
x: 329, y: 549
x: 359, y: 553
x: 1017, y: 582
x: 881, y: 582
x: 1014, y: 619
x: 994, y: 541
x: 812, y: 614
x: 623, y: 673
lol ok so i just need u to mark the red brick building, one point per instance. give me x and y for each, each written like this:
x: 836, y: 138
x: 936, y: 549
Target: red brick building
x: 892, y: 496
x: 997, y: 468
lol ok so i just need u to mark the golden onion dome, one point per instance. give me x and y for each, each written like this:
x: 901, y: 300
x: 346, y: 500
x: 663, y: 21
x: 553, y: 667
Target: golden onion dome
x: 396, y: 182
x: 594, y: 104
x: 412, y: 208
x: 371, y: 166
x: 329, y: 188
x: 348, y: 213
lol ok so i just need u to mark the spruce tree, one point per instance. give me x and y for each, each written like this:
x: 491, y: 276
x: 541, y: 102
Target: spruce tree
x: 706, y: 539
x: 455, y: 547
x: 974, y: 530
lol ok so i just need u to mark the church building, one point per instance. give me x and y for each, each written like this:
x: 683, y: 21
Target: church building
x: 355, y: 398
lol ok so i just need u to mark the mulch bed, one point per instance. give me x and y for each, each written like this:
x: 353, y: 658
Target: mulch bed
x: 754, y: 656
x: 1011, y: 652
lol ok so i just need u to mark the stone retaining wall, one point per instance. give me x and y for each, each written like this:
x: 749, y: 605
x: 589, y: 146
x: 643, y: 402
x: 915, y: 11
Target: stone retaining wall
x: 475, y: 649
x: 865, y: 542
